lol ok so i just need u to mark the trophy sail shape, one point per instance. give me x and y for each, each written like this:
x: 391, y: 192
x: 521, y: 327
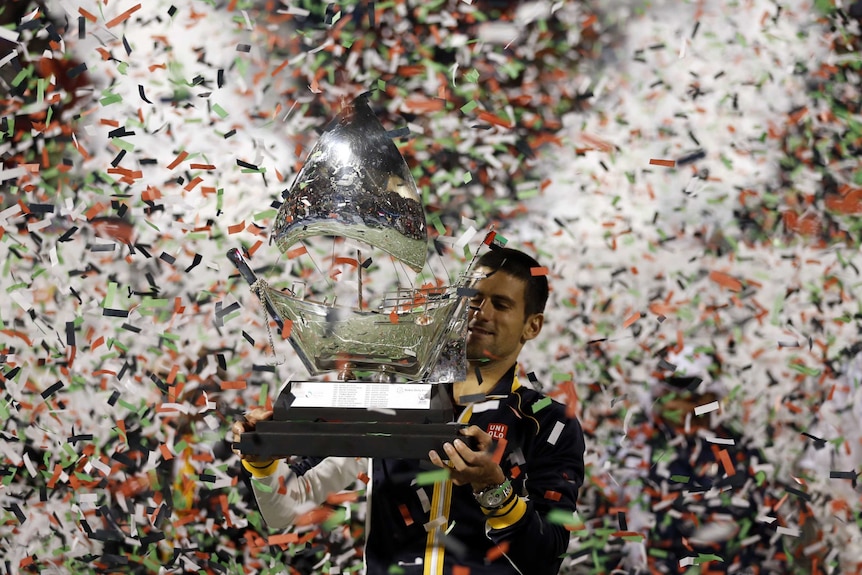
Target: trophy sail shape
x: 356, y: 184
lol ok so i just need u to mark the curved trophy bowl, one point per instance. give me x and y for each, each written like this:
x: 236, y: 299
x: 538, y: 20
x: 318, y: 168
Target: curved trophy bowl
x: 408, y: 341
x: 356, y: 184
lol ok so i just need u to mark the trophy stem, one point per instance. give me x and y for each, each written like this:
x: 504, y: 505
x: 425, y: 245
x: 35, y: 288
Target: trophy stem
x: 359, y: 274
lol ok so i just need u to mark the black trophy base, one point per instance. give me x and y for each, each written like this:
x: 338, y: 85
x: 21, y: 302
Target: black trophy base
x: 280, y: 439
x: 358, y: 432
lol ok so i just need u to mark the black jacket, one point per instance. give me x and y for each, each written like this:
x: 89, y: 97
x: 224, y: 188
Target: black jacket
x: 544, y: 458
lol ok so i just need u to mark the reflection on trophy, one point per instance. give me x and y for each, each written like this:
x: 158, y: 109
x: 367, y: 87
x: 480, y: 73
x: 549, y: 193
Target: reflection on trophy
x: 379, y: 370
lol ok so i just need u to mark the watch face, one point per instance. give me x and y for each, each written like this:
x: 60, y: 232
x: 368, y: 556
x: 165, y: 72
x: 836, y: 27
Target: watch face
x: 493, y: 497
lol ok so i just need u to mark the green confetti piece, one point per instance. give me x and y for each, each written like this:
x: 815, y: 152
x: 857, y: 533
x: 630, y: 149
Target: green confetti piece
x: 468, y: 177
x: 109, y: 297
x: 805, y: 370
x: 472, y: 76
x: 563, y: 517
x: 706, y: 558
x: 264, y: 392
x: 150, y: 302
x: 680, y: 478
x: 541, y: 404
x: 123, y: 145
x: 180, y: 447
x: 110, y: 99
x: 658, y: 552
x: 432, y: 477
x: 334, y: 520
x: 469, y: 106
x: 270, y: 213
x: 258, y: 484
x: 220, y: 111
x: 21, y: 76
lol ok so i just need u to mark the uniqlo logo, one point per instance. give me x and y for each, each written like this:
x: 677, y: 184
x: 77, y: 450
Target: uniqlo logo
x: 497, y: 430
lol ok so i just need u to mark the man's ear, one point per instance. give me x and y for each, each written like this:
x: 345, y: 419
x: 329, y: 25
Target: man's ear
x: 532, y: 327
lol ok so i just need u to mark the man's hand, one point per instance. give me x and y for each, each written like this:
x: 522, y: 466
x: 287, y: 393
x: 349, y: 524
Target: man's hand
x: 468, y: 466
x: 252, y: 418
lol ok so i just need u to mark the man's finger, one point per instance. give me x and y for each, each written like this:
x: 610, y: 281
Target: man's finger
x: 468, y: 455
x: 454, y: 457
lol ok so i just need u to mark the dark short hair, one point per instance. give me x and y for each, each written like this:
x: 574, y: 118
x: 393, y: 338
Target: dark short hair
x: 520, y: 265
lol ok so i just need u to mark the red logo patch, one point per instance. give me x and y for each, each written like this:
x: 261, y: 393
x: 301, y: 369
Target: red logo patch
x: 497, y: 430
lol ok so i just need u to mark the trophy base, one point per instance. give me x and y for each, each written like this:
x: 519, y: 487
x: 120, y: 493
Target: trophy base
x: 360, y: 419
x: 281, y: 439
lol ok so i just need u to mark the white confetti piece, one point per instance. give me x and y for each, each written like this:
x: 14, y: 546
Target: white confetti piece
x: 555, y: 433
x: 706, y: 408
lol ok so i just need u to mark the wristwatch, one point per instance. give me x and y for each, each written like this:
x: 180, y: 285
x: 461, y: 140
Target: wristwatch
x: 494, y: 496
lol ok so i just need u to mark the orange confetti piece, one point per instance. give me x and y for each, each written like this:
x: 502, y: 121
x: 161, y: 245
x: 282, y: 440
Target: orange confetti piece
x: 460, y: 570
x: 724, y: 457
x: 500, y: 450
x: 497, y: 551
x: 553, y: 495
x: 665, y: 163
x: 166, y: 452
x: 393, y: 316
x: 631, y: 319
x: 726, y: 280
x: 191, y: 185
x: 236, y: 228
x: 539, y: 271
x: 423, y: 105
x: 282, y: 539
x: 94, y: 211
x: 87, y: 15
x: 405, y: 515
x: 339, y: 498
x: 238, y: 384
x: 286, y: 328
x: 296, y: 252
x: 178, y: 160
x: 626, y: 534
x: 124, y: 16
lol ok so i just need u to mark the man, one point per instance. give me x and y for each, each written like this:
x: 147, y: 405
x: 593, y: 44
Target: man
x: 493, y: 516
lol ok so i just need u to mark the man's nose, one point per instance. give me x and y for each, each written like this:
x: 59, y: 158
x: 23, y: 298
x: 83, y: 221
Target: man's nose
x: 478, y: 308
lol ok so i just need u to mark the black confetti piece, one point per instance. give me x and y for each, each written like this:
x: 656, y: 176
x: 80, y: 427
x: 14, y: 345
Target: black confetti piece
x: 112, y: 401
x: 108, y: 312
x: 172, y: 10
x: 52, y: 390
x: 472, y: 398
x: 691, y: 158
x: 195, y: 262
x: 142, y: 94
x: 77, y: 70
x: 266, y: 368
x: 243, y: 47
x: 82, y: 27
x: 41, y: 208
x: 166, y: 257
x: 798, y: 493
x: 14, y: 508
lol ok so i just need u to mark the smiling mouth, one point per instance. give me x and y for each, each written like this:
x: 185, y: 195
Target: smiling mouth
x: 479, y: 331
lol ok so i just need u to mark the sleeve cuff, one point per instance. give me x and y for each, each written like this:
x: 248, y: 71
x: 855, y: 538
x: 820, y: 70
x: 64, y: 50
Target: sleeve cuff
x: 507, y: 517
x: 260, y: 468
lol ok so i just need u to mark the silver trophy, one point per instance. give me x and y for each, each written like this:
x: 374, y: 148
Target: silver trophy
x: 380, y: 376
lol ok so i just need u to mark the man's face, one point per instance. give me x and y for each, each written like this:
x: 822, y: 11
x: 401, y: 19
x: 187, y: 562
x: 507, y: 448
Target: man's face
x: 498, y: 327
